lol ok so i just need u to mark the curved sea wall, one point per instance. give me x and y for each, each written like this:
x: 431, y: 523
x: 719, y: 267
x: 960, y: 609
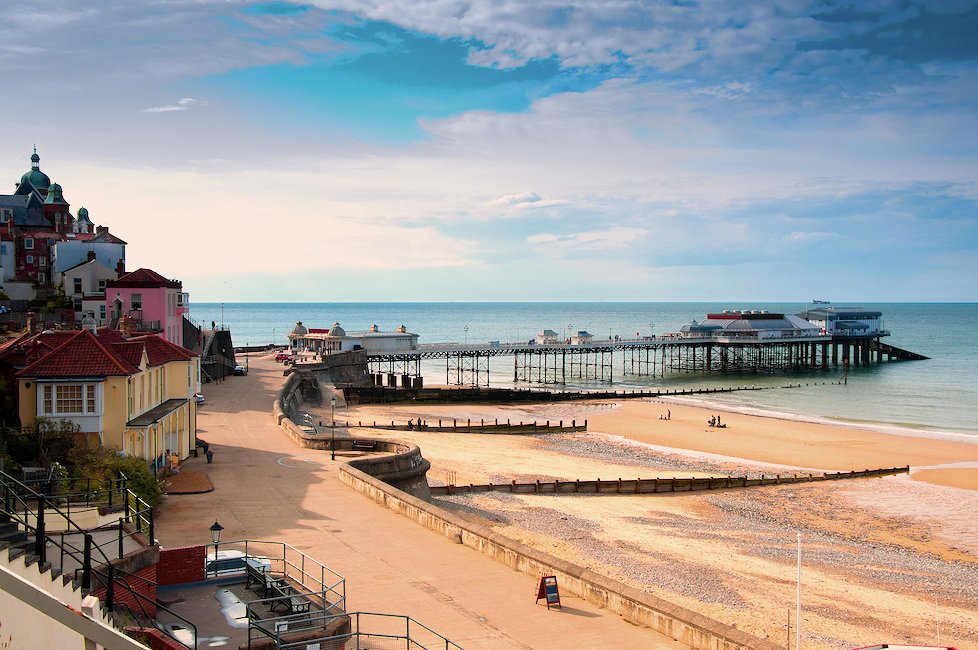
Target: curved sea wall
x: 402, y: 466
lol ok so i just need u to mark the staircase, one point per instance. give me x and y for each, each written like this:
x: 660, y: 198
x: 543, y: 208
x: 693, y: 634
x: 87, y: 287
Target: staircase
x: 35, y: 528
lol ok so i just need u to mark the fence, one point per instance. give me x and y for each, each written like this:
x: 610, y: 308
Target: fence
x: 658, y: 485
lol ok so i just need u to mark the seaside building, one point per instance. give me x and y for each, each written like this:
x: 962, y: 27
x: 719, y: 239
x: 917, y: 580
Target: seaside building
x: 40, y: 238
x: 547, y: 337
x: 145, y: 301
x: 846, y: 322
x: 336, y: 339
x: 747, y: 324
x: 582, y: 338
x: 135, y: 394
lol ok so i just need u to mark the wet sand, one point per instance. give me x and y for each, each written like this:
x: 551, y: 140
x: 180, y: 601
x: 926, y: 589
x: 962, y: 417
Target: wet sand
x: 884, y: 560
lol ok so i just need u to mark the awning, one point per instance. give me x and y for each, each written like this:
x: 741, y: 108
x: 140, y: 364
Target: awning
x: 157, y: 413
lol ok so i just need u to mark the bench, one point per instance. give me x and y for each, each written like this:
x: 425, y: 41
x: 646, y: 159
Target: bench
x: 364, y: 445
x: 287, y: 597
x: 260, y: 577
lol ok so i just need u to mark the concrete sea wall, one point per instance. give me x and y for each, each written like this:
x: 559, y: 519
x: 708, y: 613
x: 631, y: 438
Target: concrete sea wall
x: 637, y: 607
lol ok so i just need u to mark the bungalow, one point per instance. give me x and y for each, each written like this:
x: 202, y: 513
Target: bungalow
x: 135, y: 395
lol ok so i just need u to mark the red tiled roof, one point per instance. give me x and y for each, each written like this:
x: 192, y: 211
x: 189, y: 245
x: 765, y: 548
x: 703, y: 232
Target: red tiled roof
x: 144, y: 278
x: 161, y: 351
x: 82, y: 355
x: 130, y: 351
x: 110, y: 335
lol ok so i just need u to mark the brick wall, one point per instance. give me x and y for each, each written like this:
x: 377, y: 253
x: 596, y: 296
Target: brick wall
x: 146, y: 587
x: 181, y: 564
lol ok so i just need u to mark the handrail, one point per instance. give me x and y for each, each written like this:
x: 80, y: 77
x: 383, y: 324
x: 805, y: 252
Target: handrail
x: 12, y: 489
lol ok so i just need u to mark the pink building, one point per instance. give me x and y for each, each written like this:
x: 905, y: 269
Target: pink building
x: 145, y: 301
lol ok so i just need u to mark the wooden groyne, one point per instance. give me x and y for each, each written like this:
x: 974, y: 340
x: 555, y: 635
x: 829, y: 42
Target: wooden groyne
x: 389, y: 394
x: 468, y: 426
x: 660, y: 485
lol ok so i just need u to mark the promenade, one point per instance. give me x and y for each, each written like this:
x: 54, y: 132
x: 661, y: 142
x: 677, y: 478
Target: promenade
x: 267, y: 488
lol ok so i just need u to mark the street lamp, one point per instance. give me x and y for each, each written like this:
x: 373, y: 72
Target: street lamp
x: 652, y: 330
x: 216, y: 533
x: 332, y: 428
x: 466, y: 330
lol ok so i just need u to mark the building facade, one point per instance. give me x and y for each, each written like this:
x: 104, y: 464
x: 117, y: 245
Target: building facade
x: 40, y: 237
x: 135, y: 394
x: 145, y: 301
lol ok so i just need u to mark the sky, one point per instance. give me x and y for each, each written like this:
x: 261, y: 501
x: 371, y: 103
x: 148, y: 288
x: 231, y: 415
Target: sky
x: 462, y: 150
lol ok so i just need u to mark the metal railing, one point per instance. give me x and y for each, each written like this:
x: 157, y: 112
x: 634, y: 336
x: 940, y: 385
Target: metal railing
x: 287, y: 561
x: 373, y: 630
x: 30, y: 510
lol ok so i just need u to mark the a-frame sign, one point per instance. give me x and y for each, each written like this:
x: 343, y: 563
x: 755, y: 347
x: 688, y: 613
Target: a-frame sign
x: 547, y: 589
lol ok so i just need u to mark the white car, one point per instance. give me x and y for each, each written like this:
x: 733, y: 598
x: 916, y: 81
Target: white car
x: 198, y: 398
x: 227, y: 563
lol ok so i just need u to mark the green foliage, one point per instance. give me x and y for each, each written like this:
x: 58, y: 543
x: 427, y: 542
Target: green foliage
x: 39, y: 444
x: 105, y: 464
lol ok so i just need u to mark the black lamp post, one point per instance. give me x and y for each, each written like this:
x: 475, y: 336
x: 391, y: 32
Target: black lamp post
x: 216, y: 533
x: 332, y: 428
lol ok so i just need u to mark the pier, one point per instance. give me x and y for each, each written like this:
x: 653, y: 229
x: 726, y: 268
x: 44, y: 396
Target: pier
x: 733, y: 341
x: 558, y: 363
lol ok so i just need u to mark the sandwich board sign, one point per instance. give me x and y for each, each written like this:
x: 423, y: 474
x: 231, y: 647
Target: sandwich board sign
x: 547, y: 588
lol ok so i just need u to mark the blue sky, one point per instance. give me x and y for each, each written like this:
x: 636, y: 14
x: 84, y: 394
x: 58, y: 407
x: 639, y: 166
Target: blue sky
x: 432, y: 150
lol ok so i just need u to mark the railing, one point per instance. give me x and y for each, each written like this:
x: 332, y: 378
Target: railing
x: 371, y: 630
x: 23, y: 505
x: 288, y: 561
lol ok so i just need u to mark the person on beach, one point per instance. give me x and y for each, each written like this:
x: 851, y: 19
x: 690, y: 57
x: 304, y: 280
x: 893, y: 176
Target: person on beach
x: 668, y: 414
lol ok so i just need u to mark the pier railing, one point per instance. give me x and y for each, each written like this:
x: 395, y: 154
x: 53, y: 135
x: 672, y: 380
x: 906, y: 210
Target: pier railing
x: 660, y: 485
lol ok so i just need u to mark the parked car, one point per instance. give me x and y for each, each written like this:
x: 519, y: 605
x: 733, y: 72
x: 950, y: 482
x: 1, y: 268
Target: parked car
x: 226, y: 563
x: 240, y: 371
x: 283, y: 356
x: 198, y: 398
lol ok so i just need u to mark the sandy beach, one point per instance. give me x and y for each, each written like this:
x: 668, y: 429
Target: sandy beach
x: 884, y: 560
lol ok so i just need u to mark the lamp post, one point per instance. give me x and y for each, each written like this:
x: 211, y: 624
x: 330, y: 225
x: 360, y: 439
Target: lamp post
x: 332, y: 428
x: 466, y: 330
x: 652, y: 330
x: 216, y: 533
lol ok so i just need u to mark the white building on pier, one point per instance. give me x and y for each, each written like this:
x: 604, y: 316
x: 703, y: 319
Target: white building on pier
x: 337, y: 339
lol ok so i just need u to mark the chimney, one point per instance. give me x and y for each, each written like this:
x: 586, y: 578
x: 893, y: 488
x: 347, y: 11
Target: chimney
x: 120, y: 267
x: 100, y: 229
x: 31, y: 322
x: 91, y: 255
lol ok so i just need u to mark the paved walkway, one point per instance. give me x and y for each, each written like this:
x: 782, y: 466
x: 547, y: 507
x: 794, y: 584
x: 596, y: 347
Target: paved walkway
x: 268, y: 488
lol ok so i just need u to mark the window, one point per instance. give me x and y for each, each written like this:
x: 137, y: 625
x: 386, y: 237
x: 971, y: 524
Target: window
x: 3, y: 249
x: 136, y: 301
x: 40, y: 278
x: 101, y: 312
x: 68, y: 399
x: 78, y: 285
x: 29, y: 242
x: 30, y: 259
x: 101, y: 286
x: 43, y: 260
x: 5, y: 216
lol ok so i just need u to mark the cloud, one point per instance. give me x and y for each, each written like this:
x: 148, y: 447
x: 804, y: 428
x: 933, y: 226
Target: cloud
x: 594, y: 240
x: 182, y: 104
x: 516, y: 199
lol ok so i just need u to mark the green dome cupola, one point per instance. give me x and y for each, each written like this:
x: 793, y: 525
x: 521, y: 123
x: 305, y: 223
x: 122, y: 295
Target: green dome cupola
x: 38, y: 179
x: 54, y: 195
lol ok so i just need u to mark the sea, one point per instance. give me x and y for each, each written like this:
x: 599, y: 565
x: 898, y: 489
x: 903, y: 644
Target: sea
x: 933, y: 398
